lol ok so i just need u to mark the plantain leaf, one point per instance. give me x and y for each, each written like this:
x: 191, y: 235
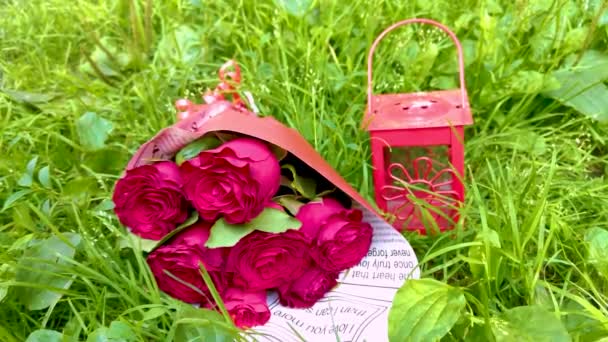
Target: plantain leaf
x: 40, y: 265
x: 529, y: 323
x: 582, y: 86
x: 597, y: 241
x: 424, y: 310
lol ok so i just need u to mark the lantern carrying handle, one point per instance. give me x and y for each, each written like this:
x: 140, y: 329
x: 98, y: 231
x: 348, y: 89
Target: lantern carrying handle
x: 370, y: 57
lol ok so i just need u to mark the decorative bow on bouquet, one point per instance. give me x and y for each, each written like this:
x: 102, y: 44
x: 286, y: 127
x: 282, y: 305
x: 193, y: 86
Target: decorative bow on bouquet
x: 247, y: 212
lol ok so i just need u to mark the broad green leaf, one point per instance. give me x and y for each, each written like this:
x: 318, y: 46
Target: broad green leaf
x: 38, y: 266
x: 597, y: 241
x: 270, y: 220
x: 117, y: 332
x: 71, y: 330
x: 78, y: 189
x: 22, y: 216
x: 192, y: 150
x: 109, y: 65
x: 6, y: 273
x: 93, y: 131
x: 28, y: 97
x: 528, y: 141
x: 424, y: 310
x: 296, y: 8
x: 44, y: 177
x: 105, y: 205
x: 183, y: 45
x: 526, y: 82
x: 154, y: 313
x: 21, y: 243
x: 529, y: 323
x: 193, y: 324
x: 490, y: 237
x: 575, y: 39
x: 444, y: 82
x: 14, y: 198
x: 304, y: 186
x: 45, y: 335
x: 579, y: 323
x: 3, y: 292
x: 603, y: 19
x: 46, y: 207
x: 582, y: 85
x: 28, y: 177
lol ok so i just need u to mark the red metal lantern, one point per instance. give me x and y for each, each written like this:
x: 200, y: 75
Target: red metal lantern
x: 417, y: 145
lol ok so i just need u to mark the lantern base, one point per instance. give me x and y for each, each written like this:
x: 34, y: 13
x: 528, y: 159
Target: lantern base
x: 408, y: 216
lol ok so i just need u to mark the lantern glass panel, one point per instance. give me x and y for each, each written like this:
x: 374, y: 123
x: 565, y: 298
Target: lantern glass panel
x: 419, y: 191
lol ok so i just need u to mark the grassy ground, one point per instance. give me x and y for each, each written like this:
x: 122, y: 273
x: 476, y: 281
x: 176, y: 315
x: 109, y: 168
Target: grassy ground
x: 537, y: 160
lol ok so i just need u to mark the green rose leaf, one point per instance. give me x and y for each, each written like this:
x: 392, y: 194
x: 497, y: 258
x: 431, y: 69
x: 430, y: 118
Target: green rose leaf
x: 53, y: 251
x: 93, y: 131
x: 304, y: 186
x: 278, y: 152
x: 44, y: 335
x: 529, y: 323
x: 192, y: 150
x: 289, y: 202
x: 190, y: 221
x: 270, y: 220
x: 147, y: 245
x: 224, y: 234
x: 424, y: 310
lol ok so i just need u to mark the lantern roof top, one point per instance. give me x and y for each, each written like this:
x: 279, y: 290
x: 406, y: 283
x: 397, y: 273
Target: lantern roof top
x: 442, y: 108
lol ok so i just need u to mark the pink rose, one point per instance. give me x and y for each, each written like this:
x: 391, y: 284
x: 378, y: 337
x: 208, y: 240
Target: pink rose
x: 149, y: 200
x: 234, y: 181
x: 263, y: 261
x: 340, y: 237
x: 181, y: 257
x: 305, y: 291
x: 247, y: 309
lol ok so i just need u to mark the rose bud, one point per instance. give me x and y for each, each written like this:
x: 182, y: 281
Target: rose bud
x: 340, y: 237
x: 181, y: 257
x: 305, y: 291
x: 263, y: 260
x: 247, y: 308
x: 149, y: 200
x: 233, y: 181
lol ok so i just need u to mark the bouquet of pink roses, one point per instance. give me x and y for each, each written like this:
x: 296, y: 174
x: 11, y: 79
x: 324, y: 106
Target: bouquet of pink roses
x: 254, y: 216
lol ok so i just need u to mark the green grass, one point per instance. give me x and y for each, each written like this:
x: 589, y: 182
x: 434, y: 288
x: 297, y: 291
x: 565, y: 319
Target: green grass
x: 536, y: 176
